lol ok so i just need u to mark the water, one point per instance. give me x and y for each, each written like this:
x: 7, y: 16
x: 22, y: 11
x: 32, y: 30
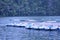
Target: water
x: 17, y: 33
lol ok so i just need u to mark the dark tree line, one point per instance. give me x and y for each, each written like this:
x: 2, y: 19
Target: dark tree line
x: 29, y: 7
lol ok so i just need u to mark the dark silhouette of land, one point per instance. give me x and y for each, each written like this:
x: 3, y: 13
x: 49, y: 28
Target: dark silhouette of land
x: 29, y: 7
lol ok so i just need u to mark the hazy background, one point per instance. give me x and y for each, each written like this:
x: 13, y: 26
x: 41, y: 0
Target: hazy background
x: 29, y: 7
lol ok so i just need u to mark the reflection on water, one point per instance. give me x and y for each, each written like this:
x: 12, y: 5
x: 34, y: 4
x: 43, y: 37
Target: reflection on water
x: 17, y: 33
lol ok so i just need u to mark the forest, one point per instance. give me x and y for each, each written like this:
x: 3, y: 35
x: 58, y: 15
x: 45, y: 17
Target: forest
x: 29, y: 7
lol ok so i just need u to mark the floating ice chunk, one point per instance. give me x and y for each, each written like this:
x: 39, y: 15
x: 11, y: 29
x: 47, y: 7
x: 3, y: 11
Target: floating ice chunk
x: 32, y: 20
x: 10, y: 24
x: 18, y: 24
x: 54, y: 27
x: 28, y: 25
x: 23, y: 24
x: 45, y: 27
x: 51, y: 21
x: 35, y: 26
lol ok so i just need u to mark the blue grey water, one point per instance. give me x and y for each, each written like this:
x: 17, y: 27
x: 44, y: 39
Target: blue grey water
x: 18, y: 33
